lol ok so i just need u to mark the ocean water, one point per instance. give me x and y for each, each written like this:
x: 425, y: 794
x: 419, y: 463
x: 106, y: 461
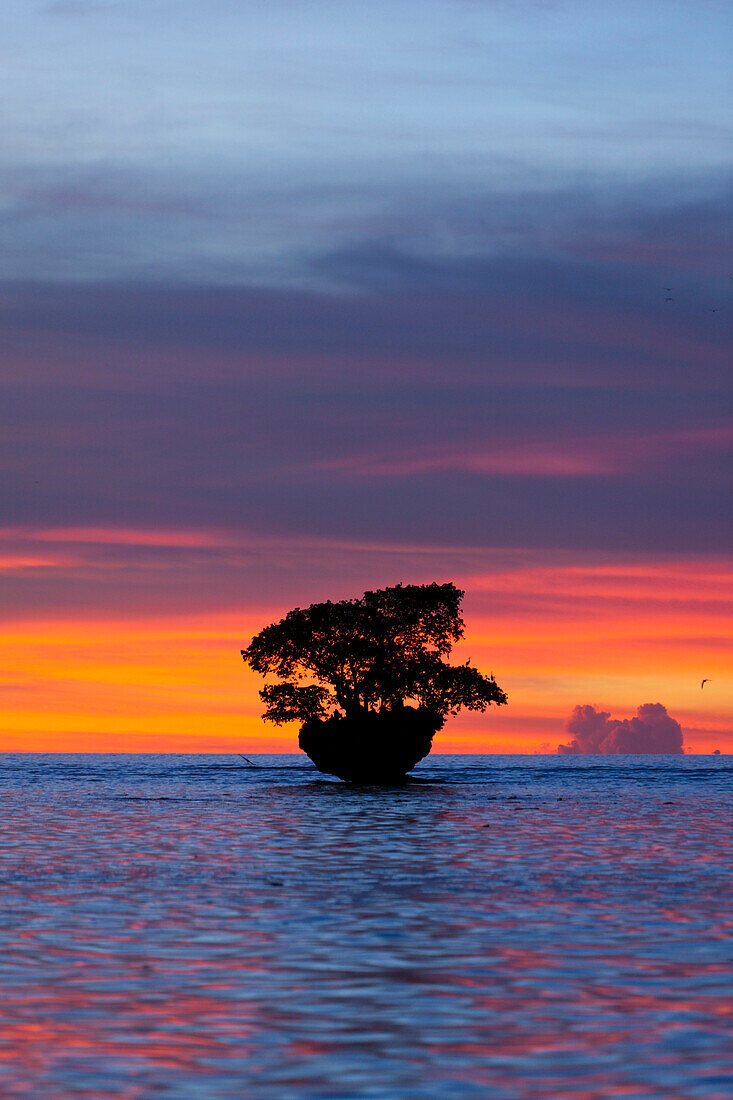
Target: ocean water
x: 513, y: 927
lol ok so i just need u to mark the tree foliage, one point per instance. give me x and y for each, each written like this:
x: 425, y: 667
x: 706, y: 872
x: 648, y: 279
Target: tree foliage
x: 372, y: 654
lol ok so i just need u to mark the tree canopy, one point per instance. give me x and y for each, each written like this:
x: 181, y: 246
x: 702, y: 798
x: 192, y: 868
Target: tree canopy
x: 367, y: 655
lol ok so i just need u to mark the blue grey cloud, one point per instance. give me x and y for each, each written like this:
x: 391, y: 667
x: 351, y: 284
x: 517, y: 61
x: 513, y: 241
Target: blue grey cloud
x: 239, y: 142
x: 326, y: 269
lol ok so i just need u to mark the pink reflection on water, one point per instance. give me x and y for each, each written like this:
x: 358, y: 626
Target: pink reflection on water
x: 283, y: 942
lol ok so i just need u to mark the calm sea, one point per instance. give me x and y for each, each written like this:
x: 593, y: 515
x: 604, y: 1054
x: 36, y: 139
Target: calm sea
x: 190, y: 926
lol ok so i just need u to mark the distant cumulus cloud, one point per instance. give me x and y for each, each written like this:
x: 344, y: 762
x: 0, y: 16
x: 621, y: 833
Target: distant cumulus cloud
x: 595, y: 731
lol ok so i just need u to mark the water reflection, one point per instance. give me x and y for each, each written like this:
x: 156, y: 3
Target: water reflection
x: 187, y: 927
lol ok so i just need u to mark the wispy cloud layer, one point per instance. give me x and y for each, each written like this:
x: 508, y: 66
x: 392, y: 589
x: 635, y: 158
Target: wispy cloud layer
x: 533, y: 417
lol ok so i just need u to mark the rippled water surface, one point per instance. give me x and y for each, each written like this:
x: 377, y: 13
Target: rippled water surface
x: 514, y: 927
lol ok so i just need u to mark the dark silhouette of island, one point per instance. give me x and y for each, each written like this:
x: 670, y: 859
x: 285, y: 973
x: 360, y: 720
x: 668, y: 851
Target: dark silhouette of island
x: 368, y: 678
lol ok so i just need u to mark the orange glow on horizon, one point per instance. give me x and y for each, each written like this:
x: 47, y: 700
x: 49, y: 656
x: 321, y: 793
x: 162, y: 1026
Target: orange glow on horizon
x: 612, y: 634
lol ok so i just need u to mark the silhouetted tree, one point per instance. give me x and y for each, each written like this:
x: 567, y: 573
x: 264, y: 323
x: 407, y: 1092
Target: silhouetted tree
x: 356, y: 665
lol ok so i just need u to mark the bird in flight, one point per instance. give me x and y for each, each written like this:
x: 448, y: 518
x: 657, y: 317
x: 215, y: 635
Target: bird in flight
x: 713, y: 310
x: 667, y: 288
x: 669, y: 299
x: 703, y: 683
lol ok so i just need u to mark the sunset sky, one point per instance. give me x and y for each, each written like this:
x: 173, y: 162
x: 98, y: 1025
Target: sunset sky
x: 298, y: 299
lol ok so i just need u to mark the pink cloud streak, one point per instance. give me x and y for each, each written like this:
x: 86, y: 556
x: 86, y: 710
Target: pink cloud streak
x: 580, y: 457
